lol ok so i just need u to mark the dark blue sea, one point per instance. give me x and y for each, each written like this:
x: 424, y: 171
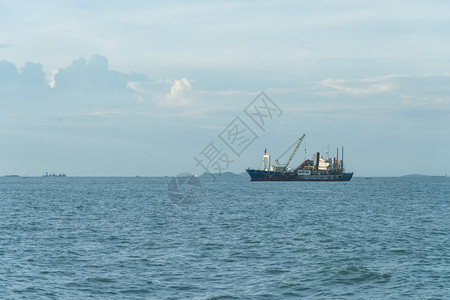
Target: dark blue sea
x: 125, y: 238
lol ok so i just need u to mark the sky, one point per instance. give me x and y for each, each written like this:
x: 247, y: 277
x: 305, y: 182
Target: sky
x: 157, y: 88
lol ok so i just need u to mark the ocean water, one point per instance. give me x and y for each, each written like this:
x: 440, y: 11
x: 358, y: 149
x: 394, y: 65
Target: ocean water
x: 123, y: 238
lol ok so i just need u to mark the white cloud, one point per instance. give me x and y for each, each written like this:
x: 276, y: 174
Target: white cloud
x: 136, y: 86
x: 164, y: 92
x: 178, y: 92
x: 50, y: 77
x: 426, y: 89
x: 424, y: 101
x: 370, y: 86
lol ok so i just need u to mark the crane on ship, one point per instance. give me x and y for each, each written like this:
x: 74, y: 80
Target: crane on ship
x: 277, y: 166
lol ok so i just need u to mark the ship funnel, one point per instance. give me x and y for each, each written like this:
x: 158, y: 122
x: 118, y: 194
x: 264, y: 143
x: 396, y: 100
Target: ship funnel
x: 317, y: 160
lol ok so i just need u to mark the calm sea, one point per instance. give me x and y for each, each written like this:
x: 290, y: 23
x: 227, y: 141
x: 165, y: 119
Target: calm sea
x: 123, y: 238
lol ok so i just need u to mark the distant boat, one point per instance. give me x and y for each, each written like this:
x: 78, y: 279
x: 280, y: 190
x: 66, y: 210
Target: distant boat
x: 53, y: 175
x: 12, y: 175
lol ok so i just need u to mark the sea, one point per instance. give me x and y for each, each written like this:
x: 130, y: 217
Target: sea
x: 224, y: 238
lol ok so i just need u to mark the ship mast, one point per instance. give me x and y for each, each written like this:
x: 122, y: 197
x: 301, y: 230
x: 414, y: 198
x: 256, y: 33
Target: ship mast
x: 328, y: 150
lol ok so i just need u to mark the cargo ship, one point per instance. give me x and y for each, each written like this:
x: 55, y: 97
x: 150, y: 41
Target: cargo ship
x: 316, y: 169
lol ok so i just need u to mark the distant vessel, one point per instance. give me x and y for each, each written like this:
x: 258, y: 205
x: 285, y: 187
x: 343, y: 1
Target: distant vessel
x: 316, y: 169
x: 53, y: 175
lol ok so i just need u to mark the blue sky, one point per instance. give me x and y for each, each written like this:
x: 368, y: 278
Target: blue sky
x: 94, y: 88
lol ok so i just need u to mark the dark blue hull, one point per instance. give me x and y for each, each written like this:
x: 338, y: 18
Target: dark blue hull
x: 260, y: 175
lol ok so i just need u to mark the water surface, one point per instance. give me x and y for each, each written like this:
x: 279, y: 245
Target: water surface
x: 122, y: 238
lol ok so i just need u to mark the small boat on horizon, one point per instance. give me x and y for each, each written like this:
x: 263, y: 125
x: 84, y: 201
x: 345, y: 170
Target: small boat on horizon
x: 53, y: 175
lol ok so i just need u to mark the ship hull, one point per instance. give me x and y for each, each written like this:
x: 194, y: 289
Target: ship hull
x: 261, y: 175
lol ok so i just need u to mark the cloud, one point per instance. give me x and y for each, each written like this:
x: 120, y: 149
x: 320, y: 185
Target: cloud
x: 94, y: 76
x: 4, y: 45
x: 178, y: 92
x: 427, y: 89
x: 8, y: 73
x: 31, y: 76
x: 181, y: 92
x: 84, y: 84
x: 331, y: 87
x: 81, y: 76
x: 162, y: 91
